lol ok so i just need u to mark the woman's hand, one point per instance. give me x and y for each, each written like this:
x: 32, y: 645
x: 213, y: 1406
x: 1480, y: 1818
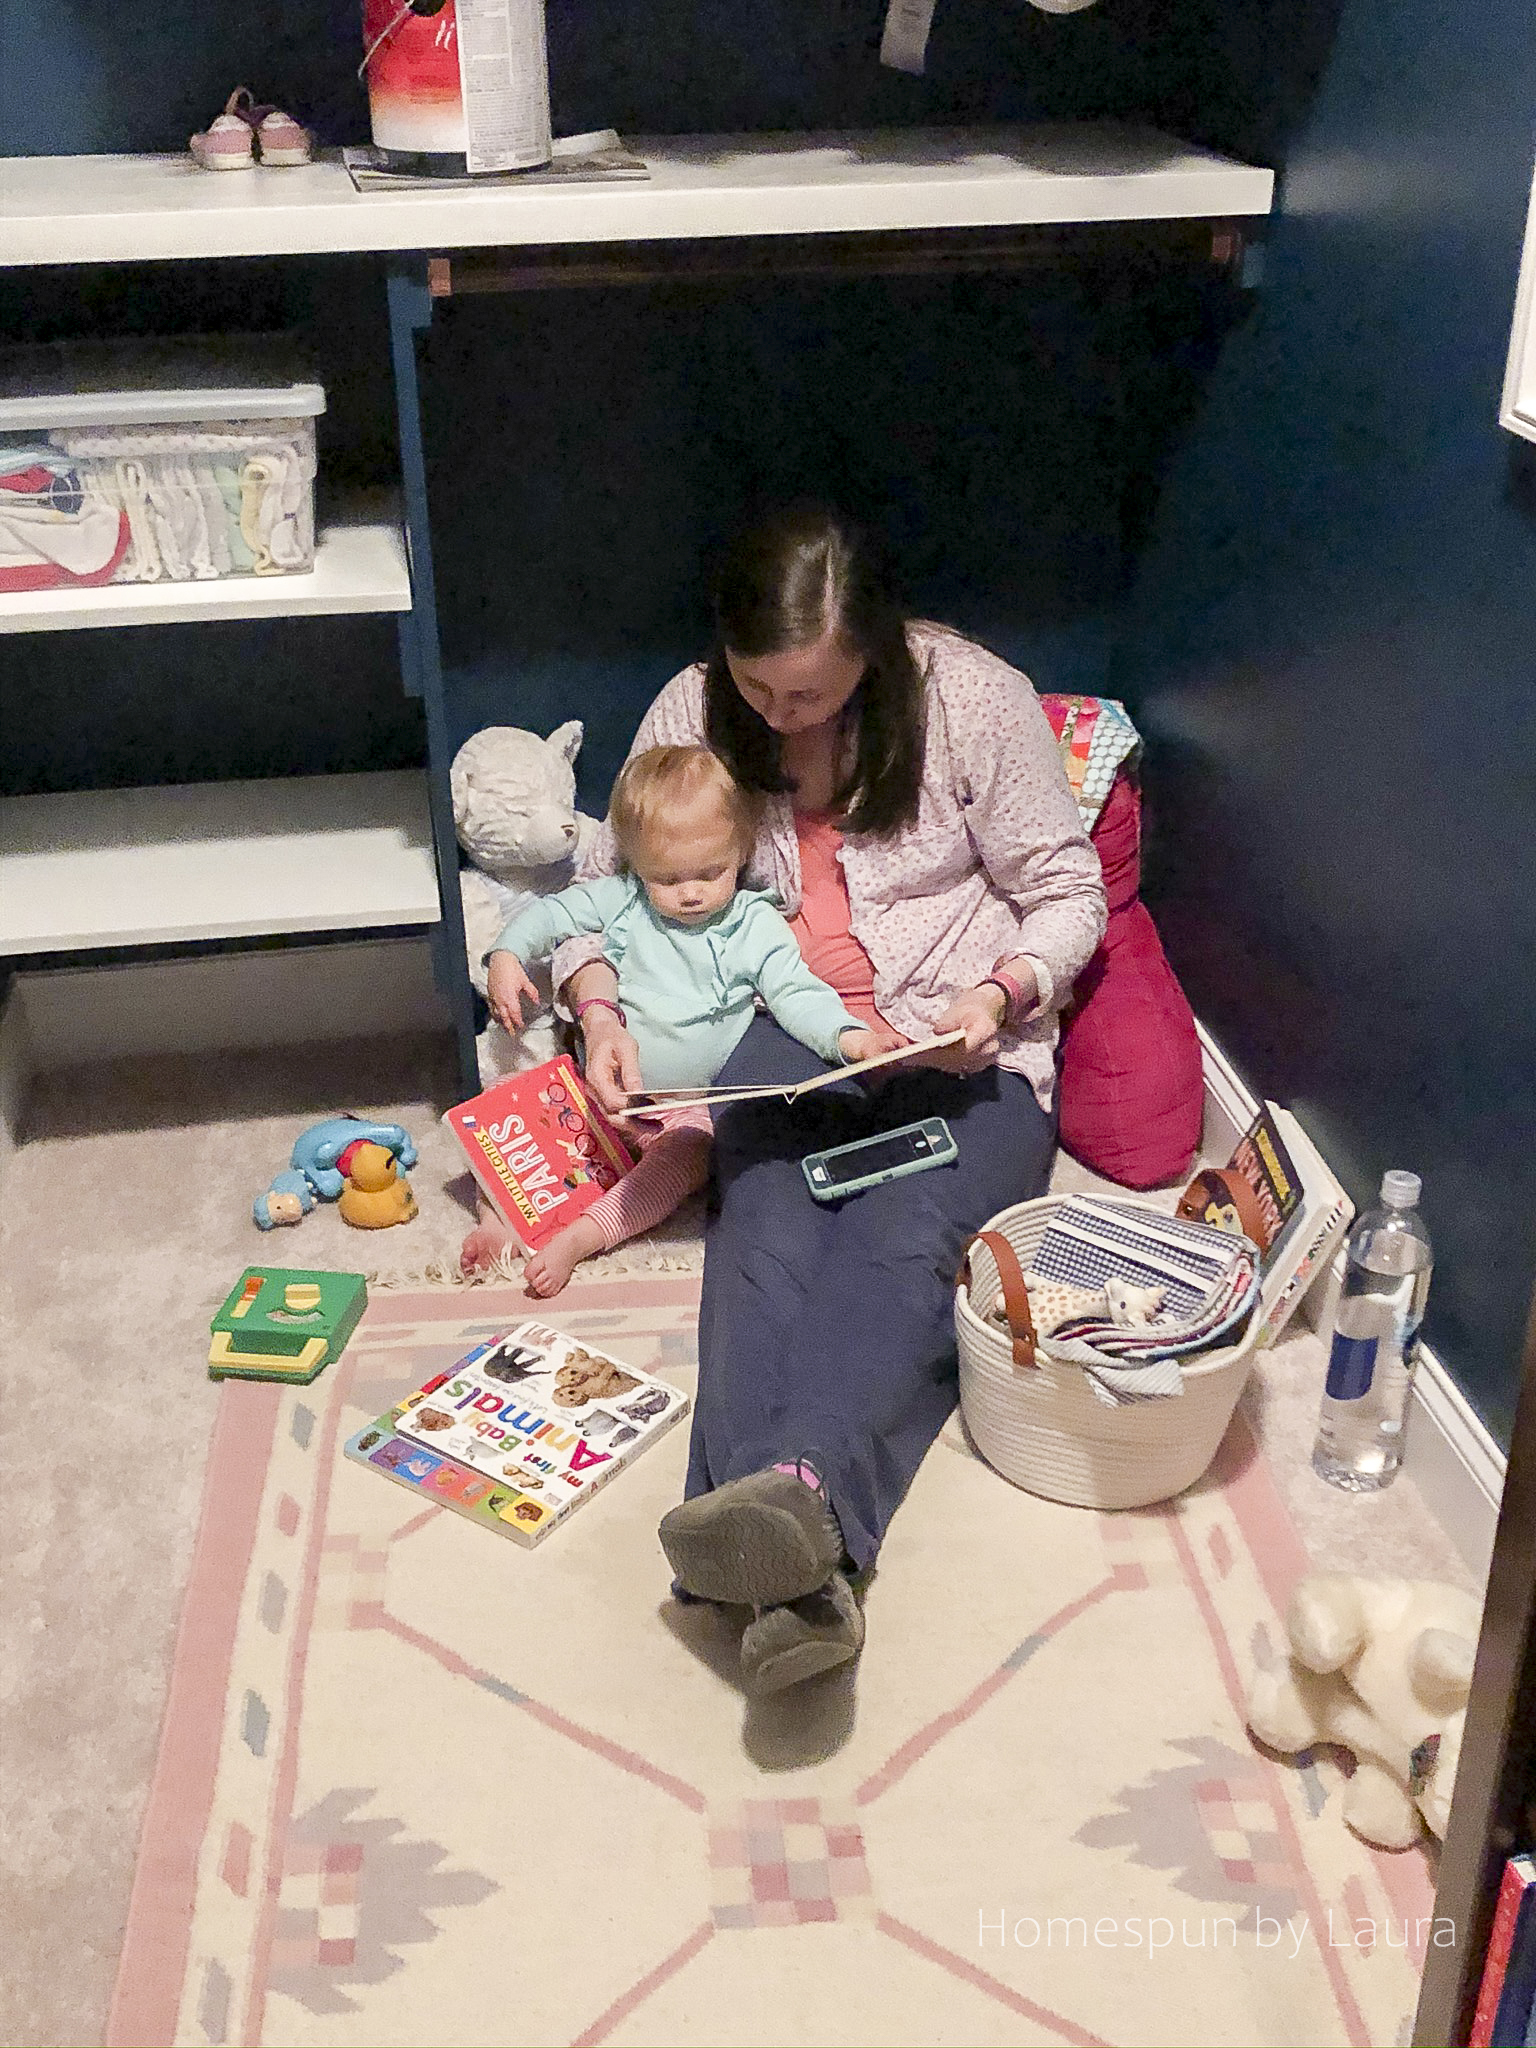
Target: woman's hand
x: 979, y: 1013
x: 507, y: 989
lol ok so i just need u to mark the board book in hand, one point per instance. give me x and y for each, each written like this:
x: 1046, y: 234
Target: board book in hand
x: 1277, y: 1190
x: 693, y: 1098
x: 540, y: 1148
x: 521, y: 1431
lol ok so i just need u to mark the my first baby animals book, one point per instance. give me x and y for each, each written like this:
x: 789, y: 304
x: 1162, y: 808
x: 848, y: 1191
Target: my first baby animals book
x: 540, y: 1148
x: 521, y: 1431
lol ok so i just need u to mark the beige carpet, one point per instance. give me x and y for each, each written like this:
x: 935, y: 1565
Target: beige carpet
x: 124, y: 1219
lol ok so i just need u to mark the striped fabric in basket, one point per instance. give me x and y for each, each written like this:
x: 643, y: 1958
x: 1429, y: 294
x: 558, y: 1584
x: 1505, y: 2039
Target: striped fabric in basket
x: 1209, y: 1280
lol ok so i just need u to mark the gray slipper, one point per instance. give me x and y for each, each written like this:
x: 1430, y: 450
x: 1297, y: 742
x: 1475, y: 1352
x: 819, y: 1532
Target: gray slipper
x: 753, y: 1542
x: 786, y: 1645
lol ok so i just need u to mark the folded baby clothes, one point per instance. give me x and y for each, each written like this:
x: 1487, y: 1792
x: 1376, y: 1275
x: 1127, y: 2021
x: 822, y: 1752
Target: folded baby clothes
x: 203, y: 499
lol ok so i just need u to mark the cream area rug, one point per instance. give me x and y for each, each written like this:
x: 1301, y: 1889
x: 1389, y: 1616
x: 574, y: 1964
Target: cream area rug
x: 417, y: 1785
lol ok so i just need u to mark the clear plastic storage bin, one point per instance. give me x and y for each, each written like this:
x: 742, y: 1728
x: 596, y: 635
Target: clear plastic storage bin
x: 154, y: 463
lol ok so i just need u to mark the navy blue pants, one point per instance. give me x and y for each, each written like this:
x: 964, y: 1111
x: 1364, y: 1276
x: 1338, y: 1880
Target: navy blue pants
x: 827, y: 1330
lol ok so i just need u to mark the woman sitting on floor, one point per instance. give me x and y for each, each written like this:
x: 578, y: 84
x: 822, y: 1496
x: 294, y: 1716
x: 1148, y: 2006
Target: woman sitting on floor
x: 919, y: 830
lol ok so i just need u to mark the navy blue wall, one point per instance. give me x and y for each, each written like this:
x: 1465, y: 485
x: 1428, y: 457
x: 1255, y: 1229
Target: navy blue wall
x: 92, y: 75
x: 1333, y: 652
x: 589, y: 451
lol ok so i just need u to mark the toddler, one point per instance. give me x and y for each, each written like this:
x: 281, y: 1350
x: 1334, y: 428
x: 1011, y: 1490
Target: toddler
x: 693, y: 953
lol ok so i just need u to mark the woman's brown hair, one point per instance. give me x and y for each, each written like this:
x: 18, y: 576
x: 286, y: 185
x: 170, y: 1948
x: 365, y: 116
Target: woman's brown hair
x: 783, y: 583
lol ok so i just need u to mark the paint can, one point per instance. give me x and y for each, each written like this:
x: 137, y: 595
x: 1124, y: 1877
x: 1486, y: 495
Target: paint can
x: 457, y: 88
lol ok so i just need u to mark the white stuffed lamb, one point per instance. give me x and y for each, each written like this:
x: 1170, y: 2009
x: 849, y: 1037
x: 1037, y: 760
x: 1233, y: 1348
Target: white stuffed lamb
x: 1381, y: 1667
x: 514, y: 808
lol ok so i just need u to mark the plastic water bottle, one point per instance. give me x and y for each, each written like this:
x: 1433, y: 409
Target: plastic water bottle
x: 1375, y: 1342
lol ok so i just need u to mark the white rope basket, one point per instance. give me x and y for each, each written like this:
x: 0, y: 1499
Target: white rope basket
x: 1042, y: 1427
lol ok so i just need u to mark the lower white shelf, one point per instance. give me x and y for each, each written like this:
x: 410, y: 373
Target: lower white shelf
x: 220, y: 860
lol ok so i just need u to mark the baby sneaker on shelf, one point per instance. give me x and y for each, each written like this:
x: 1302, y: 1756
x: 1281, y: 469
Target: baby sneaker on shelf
x: 226, y: 144
x: 245, y: 132
x: 279, y: 139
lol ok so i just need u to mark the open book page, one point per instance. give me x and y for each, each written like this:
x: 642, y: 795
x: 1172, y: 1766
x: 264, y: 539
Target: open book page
x: 685, y: 1098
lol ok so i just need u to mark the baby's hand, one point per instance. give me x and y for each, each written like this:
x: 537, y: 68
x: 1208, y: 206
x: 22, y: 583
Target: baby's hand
x: 507, y: 988
x: 865, y: 1044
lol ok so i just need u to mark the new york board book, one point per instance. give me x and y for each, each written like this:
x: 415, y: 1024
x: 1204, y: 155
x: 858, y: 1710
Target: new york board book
x: 521, y: 1431
x: 540, y: 1148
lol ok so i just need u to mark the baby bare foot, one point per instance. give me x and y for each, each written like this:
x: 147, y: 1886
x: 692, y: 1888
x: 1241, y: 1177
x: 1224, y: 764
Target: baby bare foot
x: 481, y: 1246
x: 549, y: 1268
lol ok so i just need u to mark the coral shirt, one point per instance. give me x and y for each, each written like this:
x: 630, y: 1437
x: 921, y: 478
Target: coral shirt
x: 823, y: 923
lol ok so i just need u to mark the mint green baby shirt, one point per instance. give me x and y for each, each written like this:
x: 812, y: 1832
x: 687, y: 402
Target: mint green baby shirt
x: 688, y: 990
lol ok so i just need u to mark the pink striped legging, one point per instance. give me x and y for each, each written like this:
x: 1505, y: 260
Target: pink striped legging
x: 673, y: 1162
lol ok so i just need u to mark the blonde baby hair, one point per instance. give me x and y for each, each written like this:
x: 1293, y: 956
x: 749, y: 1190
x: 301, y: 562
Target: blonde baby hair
x: 653, y: 782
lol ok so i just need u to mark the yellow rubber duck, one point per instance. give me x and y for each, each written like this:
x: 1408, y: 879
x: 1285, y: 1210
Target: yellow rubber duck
x: 376, y: 1193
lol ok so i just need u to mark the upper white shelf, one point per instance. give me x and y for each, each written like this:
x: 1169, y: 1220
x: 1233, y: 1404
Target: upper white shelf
x: 113, y: 209
x: 218, y: 860
x: 360, y: 566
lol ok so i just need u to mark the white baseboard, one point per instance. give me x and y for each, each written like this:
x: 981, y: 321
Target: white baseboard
x: 288, y: 995
x: 1447, y: 1450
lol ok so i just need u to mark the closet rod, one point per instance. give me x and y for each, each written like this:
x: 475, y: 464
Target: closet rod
x: 1128, y: 246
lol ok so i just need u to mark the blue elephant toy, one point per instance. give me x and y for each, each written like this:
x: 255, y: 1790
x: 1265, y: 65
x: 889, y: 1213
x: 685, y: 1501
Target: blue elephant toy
x: 317, y: 1168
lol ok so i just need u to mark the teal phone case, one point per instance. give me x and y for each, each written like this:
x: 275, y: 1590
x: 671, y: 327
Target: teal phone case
x: 871, y: 1162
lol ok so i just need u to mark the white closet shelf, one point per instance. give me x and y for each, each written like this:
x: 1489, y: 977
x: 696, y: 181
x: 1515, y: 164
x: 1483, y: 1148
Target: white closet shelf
x: 141, y: 867
x: 360, y: 566
x: 113, y: 209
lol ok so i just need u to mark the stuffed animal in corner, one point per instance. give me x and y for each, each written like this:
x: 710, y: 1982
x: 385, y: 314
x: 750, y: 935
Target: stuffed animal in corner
x: 514, y: 808
x: 1382, y: 1667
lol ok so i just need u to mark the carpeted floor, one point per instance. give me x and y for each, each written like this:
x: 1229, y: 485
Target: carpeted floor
x: 125, y: 1219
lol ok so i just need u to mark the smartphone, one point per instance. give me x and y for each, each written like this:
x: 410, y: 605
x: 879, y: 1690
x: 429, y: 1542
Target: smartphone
x: 870, y: 1162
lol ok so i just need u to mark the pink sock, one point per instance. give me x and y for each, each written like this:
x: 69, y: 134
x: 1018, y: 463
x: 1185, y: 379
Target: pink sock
x: 801, y: 1470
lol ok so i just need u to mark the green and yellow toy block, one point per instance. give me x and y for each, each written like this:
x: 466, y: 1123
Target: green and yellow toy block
x: 281, y: 1325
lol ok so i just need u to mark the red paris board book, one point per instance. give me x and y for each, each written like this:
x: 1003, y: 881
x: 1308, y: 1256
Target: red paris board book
x: 540, y: 1148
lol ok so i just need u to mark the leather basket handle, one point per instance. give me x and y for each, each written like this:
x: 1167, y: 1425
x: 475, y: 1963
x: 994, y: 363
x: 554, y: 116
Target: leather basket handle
x: 1192, y: 1203
x: 1021, y: 1324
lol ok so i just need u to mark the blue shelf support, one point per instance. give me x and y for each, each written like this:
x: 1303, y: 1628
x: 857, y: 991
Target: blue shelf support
x: 410, y: 316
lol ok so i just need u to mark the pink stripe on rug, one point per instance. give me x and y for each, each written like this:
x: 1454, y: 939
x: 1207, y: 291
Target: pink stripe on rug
x: 637, y: 1994
x: 600, y: 1745
x: 918, y: 1745
x: 957, y: 1966
x: 153, y: 1963
x: 1349, y: 2011
x: 511, y: 1304
x: 1242, y: 1472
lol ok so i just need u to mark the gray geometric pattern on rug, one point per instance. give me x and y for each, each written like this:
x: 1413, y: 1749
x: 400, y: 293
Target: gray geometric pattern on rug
x: 355, y: 1894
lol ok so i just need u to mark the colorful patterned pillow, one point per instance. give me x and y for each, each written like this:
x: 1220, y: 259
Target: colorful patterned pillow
x: 1097, y: 740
